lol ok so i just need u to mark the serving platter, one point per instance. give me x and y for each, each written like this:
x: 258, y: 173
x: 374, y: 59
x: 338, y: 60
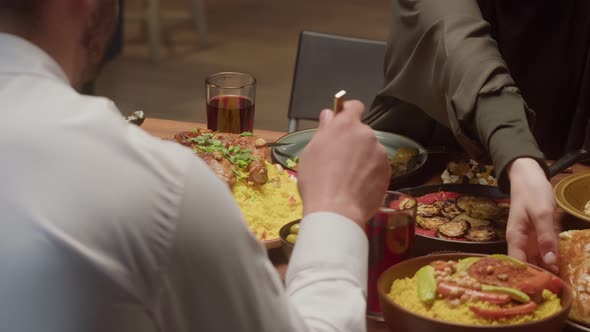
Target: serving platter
x: 572, y: 194
x: 391, y: 142
x: 425, y: 243
x: 401, y: 319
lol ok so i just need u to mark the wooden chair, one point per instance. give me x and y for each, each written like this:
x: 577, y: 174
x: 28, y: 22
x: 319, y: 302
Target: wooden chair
x: 327, y: 64
x: 153, y: 16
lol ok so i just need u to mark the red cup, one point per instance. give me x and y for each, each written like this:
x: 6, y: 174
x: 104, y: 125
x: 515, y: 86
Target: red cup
x: 391, y: 240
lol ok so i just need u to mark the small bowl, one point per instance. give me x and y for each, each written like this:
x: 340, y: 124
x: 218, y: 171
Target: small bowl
x: 572, y: 194
x: 283, y: 232
x: 400, y: 319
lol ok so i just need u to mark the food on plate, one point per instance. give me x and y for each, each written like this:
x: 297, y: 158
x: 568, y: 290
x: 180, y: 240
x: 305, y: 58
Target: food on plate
x: 574, y: 269
x: 431, y: 223
x: 450, y: 209
x: 453, y: 216
x: 587, y: 208
x: 428, y: 210
x: 293, y: 233
x: 267, y: 194
x: 473, y: 222
x: 468, y: 171
x: 403, y: 161
x: 490, y: 290
x: 480, y: 207
x: 229, y: 155
x: 268, y: 207
x: 481, y: 234
x: 453, y: 229
x: 293, y: 163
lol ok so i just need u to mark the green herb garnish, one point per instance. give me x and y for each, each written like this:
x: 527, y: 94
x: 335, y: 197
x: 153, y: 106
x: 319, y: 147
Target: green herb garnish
x: 291, y: 163
x: 206, y: 142
x: 246, y: 133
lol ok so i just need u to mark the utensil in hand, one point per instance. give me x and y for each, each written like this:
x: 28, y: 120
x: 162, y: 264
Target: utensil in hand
x: 339, y: 101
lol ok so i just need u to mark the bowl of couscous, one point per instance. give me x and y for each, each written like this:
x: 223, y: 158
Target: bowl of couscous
x: 266, y: 208
x: 469, y: 292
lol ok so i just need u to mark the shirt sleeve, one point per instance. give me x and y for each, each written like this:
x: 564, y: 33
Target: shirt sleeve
x: 220, y: 277
x: 442, y: 58
x: 503, y: 129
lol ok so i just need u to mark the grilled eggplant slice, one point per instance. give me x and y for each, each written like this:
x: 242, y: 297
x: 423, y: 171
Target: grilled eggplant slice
x: 453, y: 229
x: 481, y: 234
x: 450, y: 210
x: 480, y: 207
x: 407, y: 203
x: 430, y: 223
x: 428, y: 210
x: 473, y: 222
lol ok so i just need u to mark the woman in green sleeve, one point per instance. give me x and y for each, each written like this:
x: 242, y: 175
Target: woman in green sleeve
x: 510, y: 79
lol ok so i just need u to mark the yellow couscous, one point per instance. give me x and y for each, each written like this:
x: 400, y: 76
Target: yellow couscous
x: 405, y: 293
x: 268, y: 207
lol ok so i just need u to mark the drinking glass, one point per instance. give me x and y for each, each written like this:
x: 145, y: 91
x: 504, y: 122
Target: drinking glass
x: 230, y: 102
x: 391, y: 240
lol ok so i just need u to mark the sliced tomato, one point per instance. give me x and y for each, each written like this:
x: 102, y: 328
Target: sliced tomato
x: 523, y: 309
x: 535, y: 283
x: 450, y: 290
x: 555, y: 285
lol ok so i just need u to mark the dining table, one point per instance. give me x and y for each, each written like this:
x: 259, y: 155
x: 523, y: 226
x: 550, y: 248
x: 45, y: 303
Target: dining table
x: 168, y: 128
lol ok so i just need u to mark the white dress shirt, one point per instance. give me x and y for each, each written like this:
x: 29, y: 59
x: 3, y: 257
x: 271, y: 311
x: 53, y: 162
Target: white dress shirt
x: 106, y: 228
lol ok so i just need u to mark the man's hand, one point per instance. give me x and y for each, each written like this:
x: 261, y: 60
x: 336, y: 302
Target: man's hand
x: 344, y: 169
x: 531, y: 232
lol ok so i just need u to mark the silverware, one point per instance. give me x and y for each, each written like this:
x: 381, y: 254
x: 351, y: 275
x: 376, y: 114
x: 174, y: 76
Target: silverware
x: 339, y: 101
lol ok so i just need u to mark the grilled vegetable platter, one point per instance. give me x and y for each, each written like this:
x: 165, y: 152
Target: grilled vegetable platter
x: 460, y: 217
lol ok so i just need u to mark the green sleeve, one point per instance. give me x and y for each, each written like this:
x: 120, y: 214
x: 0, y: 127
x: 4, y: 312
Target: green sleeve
x: 502, y: 126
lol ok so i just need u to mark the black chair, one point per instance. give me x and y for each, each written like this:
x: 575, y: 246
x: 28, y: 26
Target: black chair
x: 327, y: 64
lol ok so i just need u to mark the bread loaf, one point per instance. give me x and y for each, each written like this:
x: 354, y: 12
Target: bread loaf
x: 574, y: 269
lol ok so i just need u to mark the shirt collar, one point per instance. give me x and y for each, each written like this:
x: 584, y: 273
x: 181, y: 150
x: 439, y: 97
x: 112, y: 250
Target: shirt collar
x: 19, y: 56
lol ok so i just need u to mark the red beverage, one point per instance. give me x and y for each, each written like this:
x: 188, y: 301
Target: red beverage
x: 230, y: 114
x: 391, y: 240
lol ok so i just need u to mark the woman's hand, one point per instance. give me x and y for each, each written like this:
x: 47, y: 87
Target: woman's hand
x: 531, y: 232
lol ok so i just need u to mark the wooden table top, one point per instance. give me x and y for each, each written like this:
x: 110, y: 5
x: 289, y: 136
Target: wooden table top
x: 168, y: 128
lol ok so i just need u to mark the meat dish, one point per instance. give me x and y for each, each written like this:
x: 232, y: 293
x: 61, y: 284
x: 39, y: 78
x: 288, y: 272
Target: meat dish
x: 574, y: 269
x: 229, y: 155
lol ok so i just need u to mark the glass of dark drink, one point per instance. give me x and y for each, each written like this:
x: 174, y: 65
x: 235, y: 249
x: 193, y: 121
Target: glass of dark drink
x: 391, y: 240
x: 230, y: 102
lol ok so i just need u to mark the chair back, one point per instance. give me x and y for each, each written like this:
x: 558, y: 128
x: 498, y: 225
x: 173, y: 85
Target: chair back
x: 327, y: 64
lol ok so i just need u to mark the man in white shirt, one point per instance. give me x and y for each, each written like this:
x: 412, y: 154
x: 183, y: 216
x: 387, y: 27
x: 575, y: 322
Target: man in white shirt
x: 105, y: 228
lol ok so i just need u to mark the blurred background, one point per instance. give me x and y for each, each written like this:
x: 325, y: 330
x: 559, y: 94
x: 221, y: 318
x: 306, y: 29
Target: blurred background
x: 258, y: 37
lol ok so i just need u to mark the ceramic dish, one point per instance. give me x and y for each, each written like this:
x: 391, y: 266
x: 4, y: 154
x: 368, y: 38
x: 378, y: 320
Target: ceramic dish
x: 392, y: 143
x: 572, y: 194
x: 401, y: 319
x: 425, y: 244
